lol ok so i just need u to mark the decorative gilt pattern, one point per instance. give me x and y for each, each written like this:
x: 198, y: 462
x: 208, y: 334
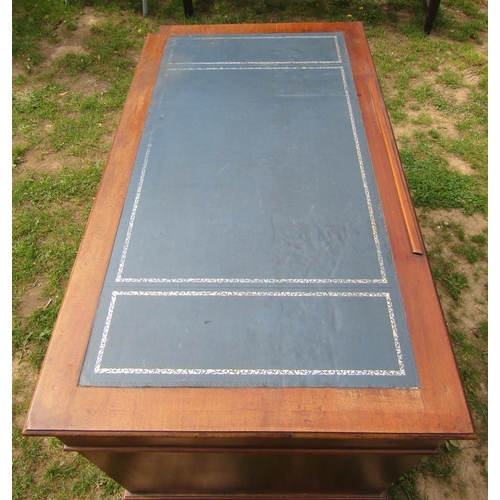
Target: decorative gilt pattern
x: 230, y: 371
x: 383, y: 278
x: 123, y: 281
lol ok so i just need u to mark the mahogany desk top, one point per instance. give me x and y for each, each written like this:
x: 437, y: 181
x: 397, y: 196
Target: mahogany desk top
x: 252, y: 265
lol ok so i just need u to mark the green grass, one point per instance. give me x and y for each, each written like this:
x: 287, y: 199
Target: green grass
x: 473, y: 363
x: 66, y: 477
x: 34, y: 21
x: 48, y: 216
x: 52, y: 117
x: 434, y: 186
x: 45, y: 216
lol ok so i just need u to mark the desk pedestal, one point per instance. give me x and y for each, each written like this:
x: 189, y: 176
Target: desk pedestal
x: 268, y: 469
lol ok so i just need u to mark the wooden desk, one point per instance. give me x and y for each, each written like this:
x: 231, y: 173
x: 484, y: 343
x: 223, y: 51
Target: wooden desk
x: 251, y: 312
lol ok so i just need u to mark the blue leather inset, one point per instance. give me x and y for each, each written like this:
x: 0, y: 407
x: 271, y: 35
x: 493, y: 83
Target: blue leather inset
x: 252, y: 249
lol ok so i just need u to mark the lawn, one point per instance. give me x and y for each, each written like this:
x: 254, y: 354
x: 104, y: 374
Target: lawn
x: 72, y: 65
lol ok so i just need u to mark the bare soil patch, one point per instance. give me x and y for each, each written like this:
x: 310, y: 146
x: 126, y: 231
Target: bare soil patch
x: 438, y: 121
x: 460, y: 166
x: 33, y: 298
x: 473, y: 307
x: 36, y: 161
x: 468, y: 482
x: 69, y: 42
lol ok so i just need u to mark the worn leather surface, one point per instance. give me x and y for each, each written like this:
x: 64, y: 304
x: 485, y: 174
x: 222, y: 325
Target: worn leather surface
x: 252, y: 249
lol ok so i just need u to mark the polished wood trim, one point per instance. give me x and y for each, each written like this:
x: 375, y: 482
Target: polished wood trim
x: 437, y: 410
x: 261, y: 442
x: 397, y: 170
x: 233, y: 449
x: 212, y: 29
x: 309, y: 496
